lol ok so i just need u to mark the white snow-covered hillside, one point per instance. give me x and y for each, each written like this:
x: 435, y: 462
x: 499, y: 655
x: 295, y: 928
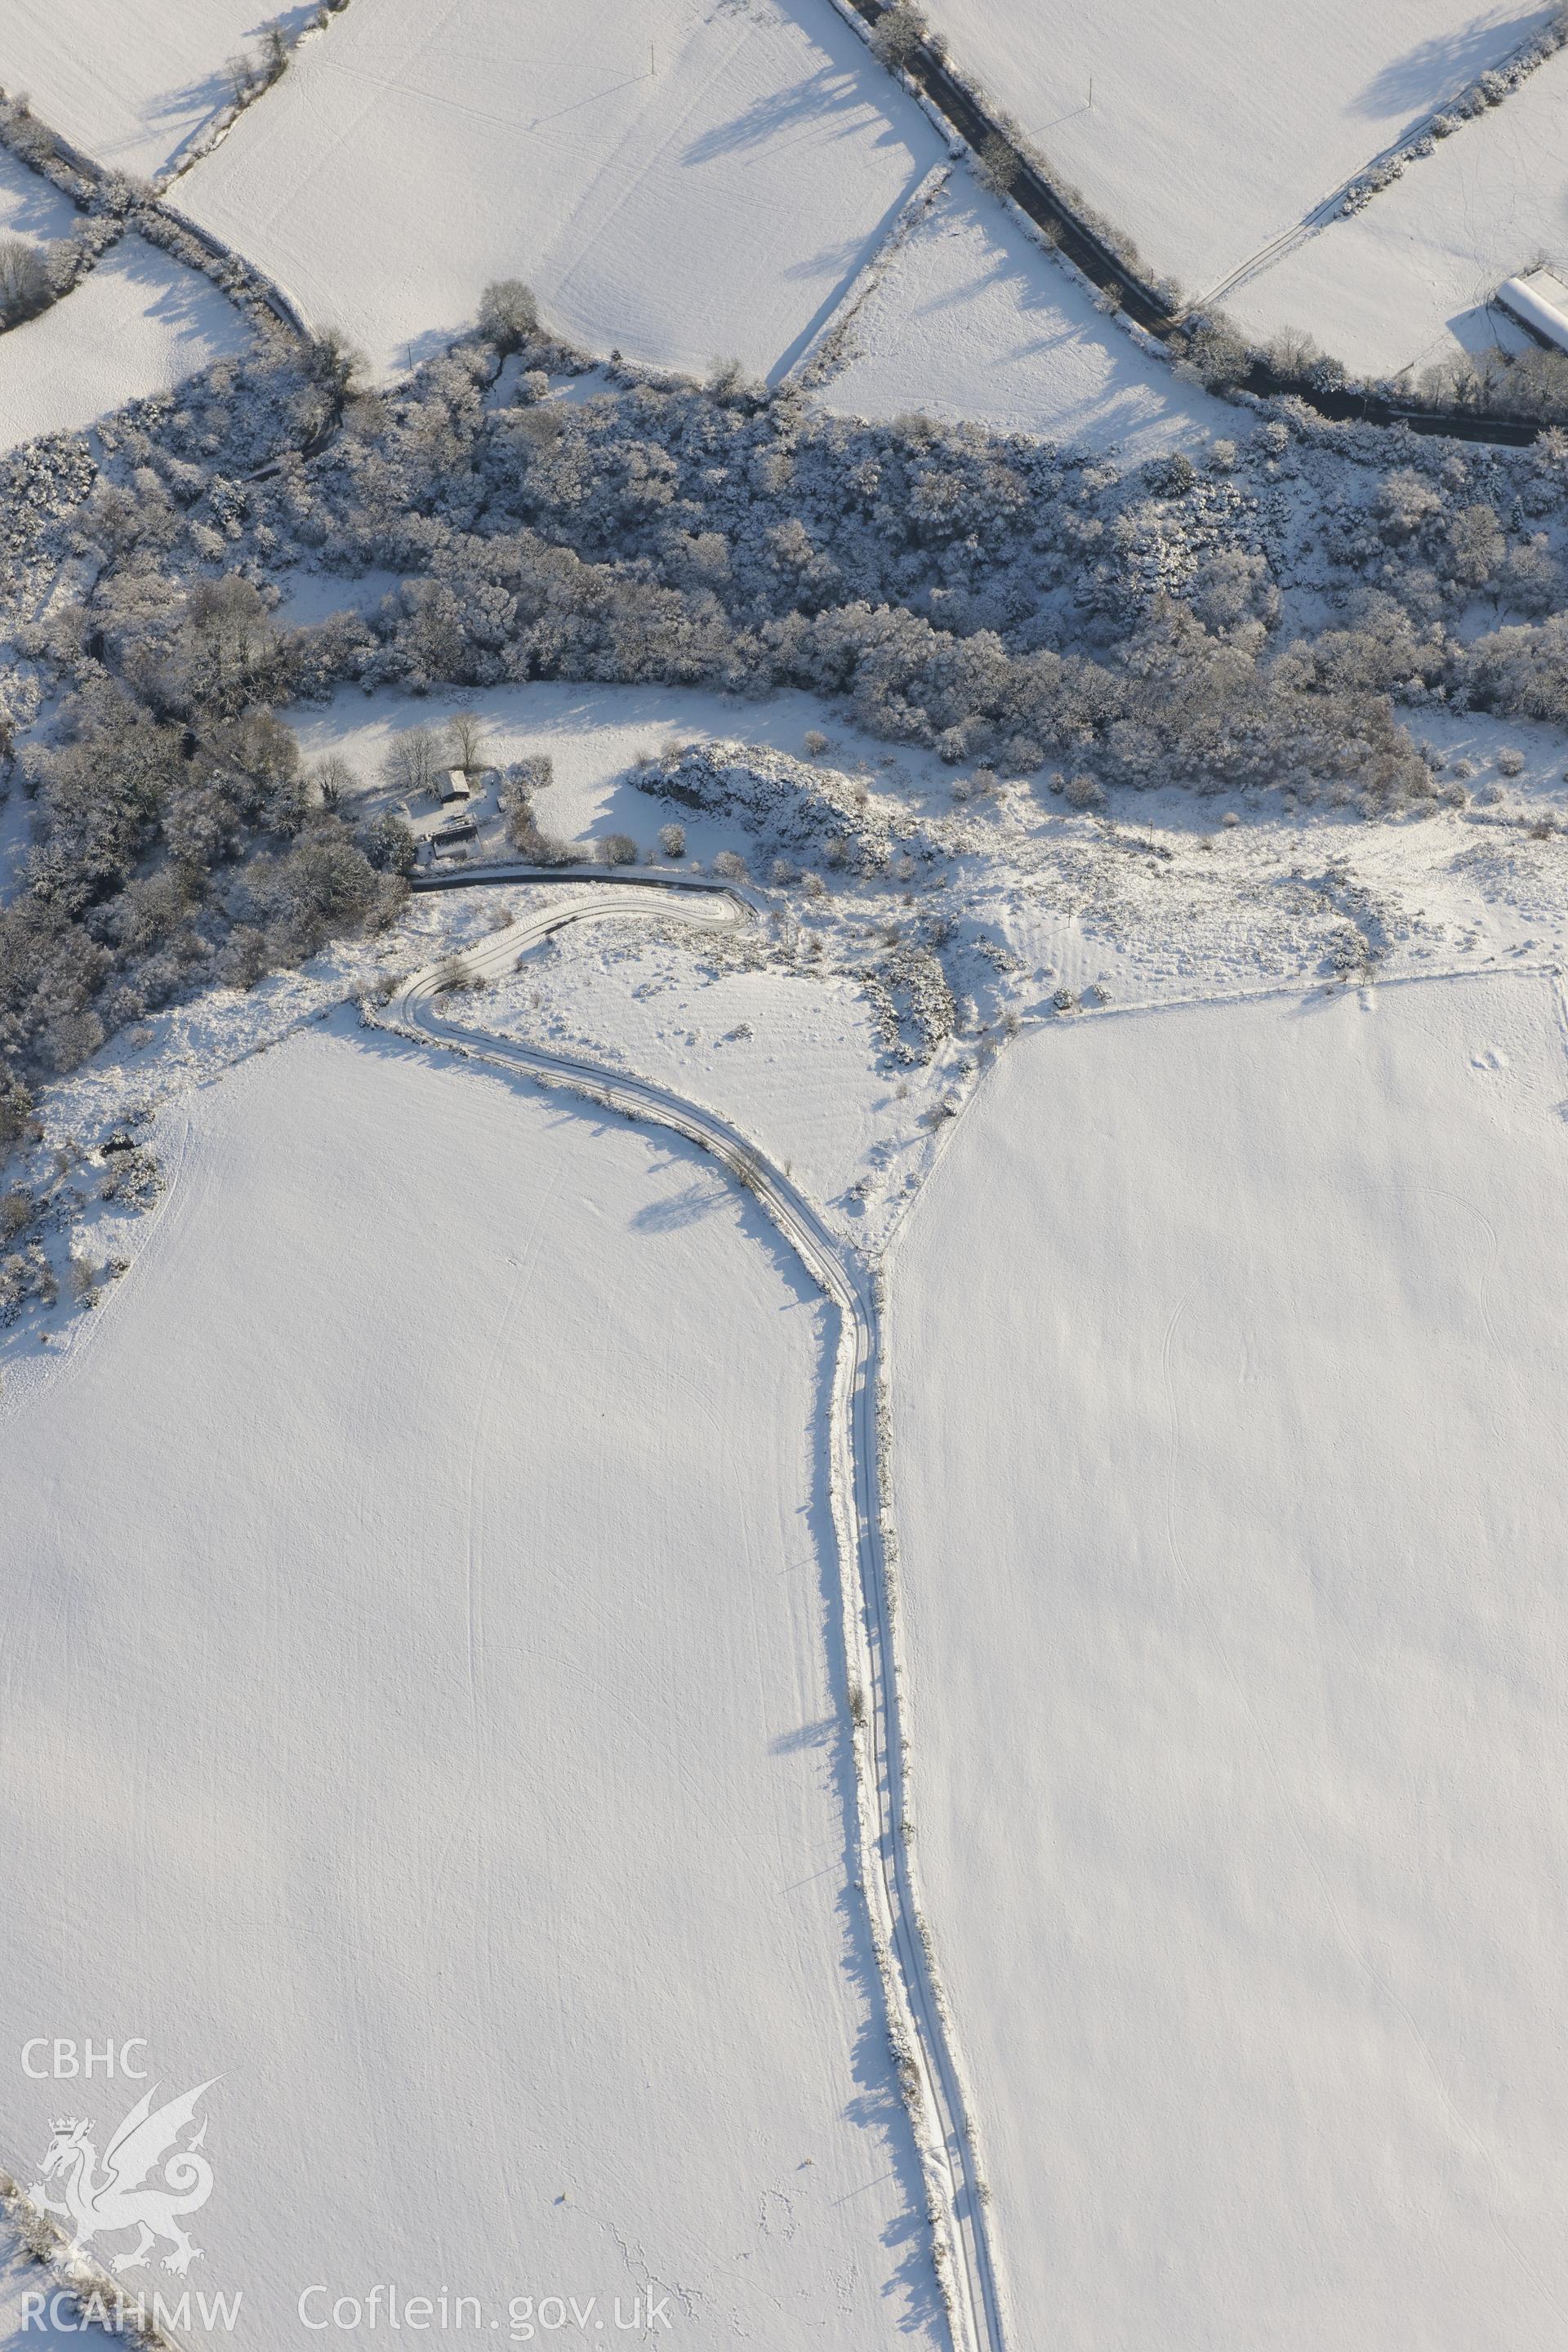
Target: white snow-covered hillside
x: 139, y: 322
x: 423, y: 1716
x: 970, y: 319
x: 1228, y: 1365
x: 693, y: 182
x: 1412, y: 275
x: 1208, y: 132
x: 130, y: 85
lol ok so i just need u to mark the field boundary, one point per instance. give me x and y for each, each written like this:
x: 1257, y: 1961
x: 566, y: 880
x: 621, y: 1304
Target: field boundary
x: 941, y: 90
x: 919, y: 2021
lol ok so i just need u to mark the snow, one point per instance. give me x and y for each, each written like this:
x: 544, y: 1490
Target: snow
x: 421, y: 1674
x: 594, y: 736
x: 795, y: 1062
x: 21, y: 2328
x: 717, y: 205
x: 16, y: 837
x: 971, y: 320
x: 130, y: 85
x: 1228, y: 1366
x: 30, y: 206
x: 138, y: 323
x: 1213, y: 130
x: 1410, y: 276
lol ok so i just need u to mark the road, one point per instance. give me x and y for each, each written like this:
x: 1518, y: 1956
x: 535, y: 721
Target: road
x: 932, y: 71
x: 932, y: 2084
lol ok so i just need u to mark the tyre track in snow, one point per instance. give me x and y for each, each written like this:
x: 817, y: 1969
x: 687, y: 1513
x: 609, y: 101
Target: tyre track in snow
x: 928, y: 2066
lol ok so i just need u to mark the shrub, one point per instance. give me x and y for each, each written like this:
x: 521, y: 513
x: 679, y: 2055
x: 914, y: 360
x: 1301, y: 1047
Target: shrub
x: 508, y: 314
x: 1085, y: 792
x: 537, y: 848
x: 1170, y: 478
x: 337, y: 367
x: 334, y: 780
x: 1217, y: 352
x: 899, y: 33
x: 997, y: 166
x: 25, y: 287
x: 731, y: 865
x: 672, y: 840
x: 814, y: 742
x: 617, y: 849
x: 1511, y: 762
x: 244, y: 958
x: 15, y: 1111
x: 388, y: 842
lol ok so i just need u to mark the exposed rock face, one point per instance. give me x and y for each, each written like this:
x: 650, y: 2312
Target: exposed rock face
x: 818, y: 813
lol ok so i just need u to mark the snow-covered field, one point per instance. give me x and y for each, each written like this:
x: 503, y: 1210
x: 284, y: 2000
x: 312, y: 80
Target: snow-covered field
x: 129, y: 84
x: 423, y: 1717
x: 970, y: 319
x: 1228, y: 1371
x: 1413, y: 273
x: 695, y: 182
x: 138, y: 323
x: 30, y: 206
x: 425, y: 1722
x: 22, y: 2326
x: 1215, y: 130
x: 795, y: 1063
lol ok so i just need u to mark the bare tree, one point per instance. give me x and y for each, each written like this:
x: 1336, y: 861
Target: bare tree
x: 337, y: 366
x: 411, y: 763
x: 24, y: 280
x: 334, y: 780
x: 466, y: 741
x: 231, y: 635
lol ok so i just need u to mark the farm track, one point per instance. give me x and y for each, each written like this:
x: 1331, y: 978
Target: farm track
x: 920, y: 2035
x: 1097, y: 261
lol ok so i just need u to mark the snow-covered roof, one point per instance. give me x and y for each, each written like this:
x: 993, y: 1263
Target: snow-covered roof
x: 1538, y: 301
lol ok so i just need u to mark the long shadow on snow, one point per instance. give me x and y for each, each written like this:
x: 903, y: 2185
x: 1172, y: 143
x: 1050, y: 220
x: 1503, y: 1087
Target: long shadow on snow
x: 1438, y: 69
x: 877, y: 2106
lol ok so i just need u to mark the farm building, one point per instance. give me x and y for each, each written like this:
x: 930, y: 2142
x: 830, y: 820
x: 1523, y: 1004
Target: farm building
x: 1538, y: 301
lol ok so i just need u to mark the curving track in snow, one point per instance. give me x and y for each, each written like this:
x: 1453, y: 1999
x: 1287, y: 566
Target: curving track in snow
x: 927, y: 2064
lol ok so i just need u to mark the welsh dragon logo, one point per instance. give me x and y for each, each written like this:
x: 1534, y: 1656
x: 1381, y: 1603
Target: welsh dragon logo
x: 125, y: 2195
